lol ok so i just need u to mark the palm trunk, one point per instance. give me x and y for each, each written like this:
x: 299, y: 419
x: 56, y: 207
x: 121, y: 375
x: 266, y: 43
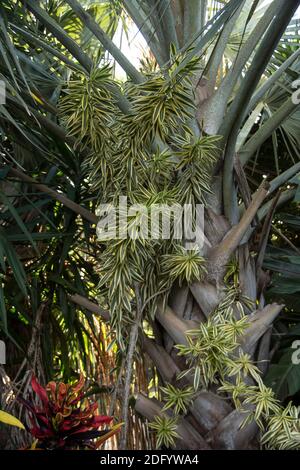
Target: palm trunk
x: 217, y: 421
x: 212, y: 417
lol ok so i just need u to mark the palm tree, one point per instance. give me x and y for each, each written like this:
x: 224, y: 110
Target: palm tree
x: 190, y: 127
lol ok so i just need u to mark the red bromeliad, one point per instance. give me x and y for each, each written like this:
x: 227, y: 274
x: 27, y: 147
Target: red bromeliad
x: 65, y: 419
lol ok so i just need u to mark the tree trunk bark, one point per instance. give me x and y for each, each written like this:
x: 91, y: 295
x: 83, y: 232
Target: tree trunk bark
x: 214, y: 420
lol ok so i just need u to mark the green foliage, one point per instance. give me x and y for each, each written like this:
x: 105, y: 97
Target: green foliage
x: 283, y: 376
x: 178, y: 398
x: 88, y: 111
x: 283, y: 261
x: 214, y: 356
x: 183, y: 265
x: 47, y: 251
x: 286, y: 266
x: 196, y: 160
x: 210, y: 346
x: 283, y: 431
x: 243, y: 367
x: 7, y: 418
x: 165, y: 428
x: 263, y: 398
x: 127, y: 150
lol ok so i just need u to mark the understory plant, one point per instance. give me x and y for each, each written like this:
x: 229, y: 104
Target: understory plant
x: 64, y: 419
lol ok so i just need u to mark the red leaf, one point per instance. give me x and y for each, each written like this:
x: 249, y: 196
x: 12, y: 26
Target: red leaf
x: 51, y: 389
x: 79, y: 386
x: 39, y: 390
x: 102, y: 420
x: 41, y: 433
x: 82, y: 429
x: 67, y: 425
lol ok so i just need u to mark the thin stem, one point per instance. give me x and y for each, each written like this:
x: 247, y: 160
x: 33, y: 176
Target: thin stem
x: 85, y: 213
x: 129, y: 363
x: 286, y: 239
x: 116, y: 390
